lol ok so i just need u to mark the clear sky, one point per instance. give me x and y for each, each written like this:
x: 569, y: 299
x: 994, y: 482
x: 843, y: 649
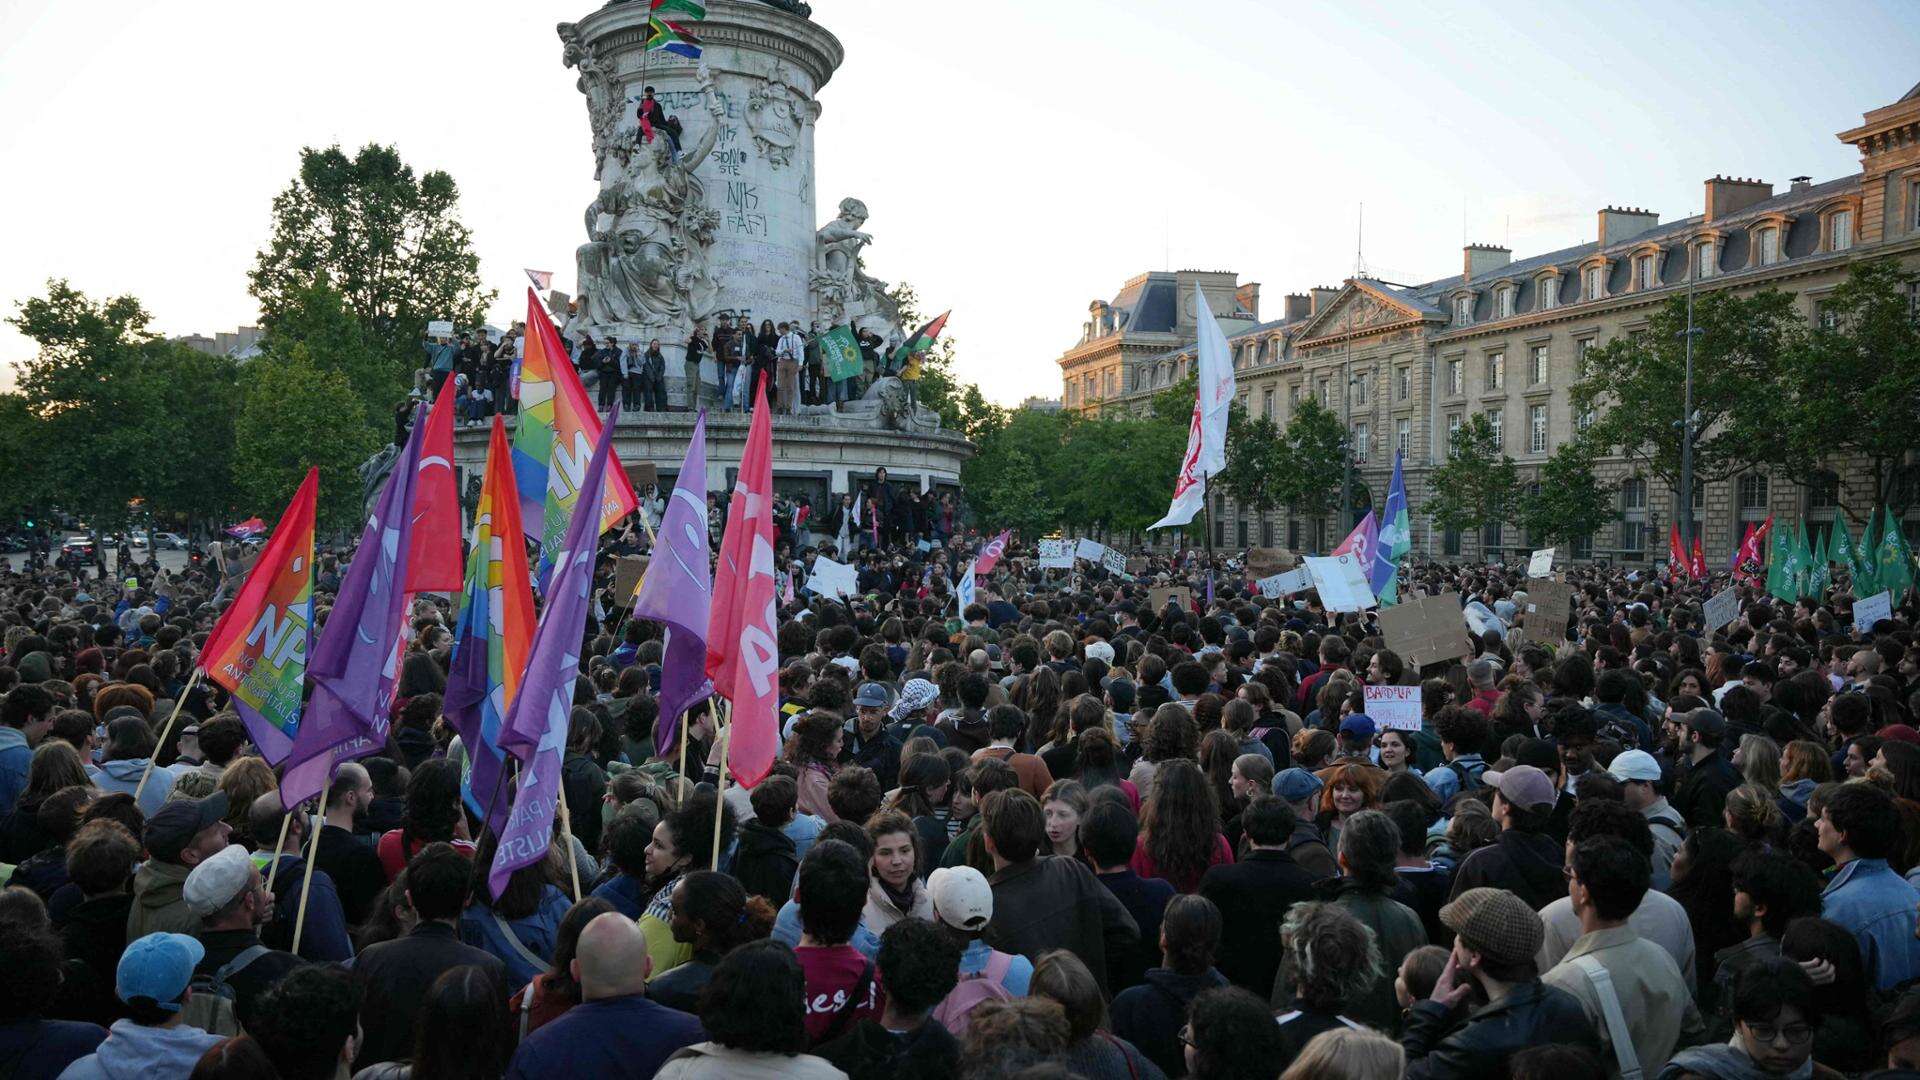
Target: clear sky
x: 1019, y: 159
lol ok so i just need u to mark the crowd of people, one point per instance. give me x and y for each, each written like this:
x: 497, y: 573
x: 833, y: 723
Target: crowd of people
x: 1058, y: 832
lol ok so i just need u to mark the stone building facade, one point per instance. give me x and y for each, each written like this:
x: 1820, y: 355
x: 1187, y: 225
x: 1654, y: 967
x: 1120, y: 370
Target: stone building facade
x: 1403, y: 365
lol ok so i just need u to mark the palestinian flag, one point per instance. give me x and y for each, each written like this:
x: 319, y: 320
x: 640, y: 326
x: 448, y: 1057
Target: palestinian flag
x: 920, y: 342
x: 688, y: 8
x: 672, y: 37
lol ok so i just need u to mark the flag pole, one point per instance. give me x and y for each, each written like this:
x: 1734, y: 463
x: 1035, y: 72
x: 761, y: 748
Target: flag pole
x: 720, y: 793
x: 306, y: 890
x: 273, y: 867
x: 566, y: 833
x: 681, y: 729
x: 166, y: 731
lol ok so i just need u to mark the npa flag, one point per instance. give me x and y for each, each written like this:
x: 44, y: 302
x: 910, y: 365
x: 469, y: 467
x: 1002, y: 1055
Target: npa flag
x: 556, y: 433
x: 1207, y: 435
x: 1677, y: 565
x: 1698, y: 567
x: 1362, y: 542
x: 743, y: 654
x: 247, y: 529
x: 1396, y: 539
x: 990, y: 553
x: 1747, y: 560
x: 433, y: 563
x: 535, y: 730
x: 921, y: 341
x: 493, y: 634
x: 258, y: 650
x: 358, y: 656
x: 677, y: 590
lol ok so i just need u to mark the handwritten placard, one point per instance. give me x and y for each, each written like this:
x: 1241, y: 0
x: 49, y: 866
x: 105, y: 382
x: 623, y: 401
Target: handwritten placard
x: 1721, y: 609
x: 1396, y: 707
x: 1872, y: 610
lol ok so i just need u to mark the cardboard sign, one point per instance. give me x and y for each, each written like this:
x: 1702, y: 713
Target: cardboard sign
x: 627, y: 572
x: 1090, y: 550
x: 1549, y: 604
x: 1179, y: 594
x: 1396, y: 707
x: 1342, y: 582
x: 1056, y: 554
x: 1722, y: 609
x: 834, y: 579
x: 1115, y: 562
x: 1429, y: 630
x: 440, y: 328
x: 1265, y: 562
x: 1136, y: 567
x: 1872, y: 610
x: 1286, y: 584
x: 643, y: 475
x: 1541, y: 565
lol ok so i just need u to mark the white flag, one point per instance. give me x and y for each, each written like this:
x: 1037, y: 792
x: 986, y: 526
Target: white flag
x: 1207, y: 435
x: 542, y: 279
x: 966, y: 588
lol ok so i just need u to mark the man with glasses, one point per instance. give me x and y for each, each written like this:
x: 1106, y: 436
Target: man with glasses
x: 1774, y: 1016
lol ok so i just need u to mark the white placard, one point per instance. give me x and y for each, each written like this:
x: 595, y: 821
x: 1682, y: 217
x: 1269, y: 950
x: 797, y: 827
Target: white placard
x: 1279, y: 585
x: 1056, y: 554
x: 1342, y: 583
x: 830, y: 578
x: 440, y: 328
x: 1115, y: 562
x: 1090, y: 550
x: 1872, y: 610
x: 1721, y: 609
x: 1541, y: 565
x: 1396, y: 707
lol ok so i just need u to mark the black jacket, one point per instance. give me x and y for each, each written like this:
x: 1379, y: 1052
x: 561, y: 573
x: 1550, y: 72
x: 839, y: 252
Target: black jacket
x: 356, y: 871
x: 584, y: 783
x: 1253, y: 896
x: 94, y: 936
x: 1701, y: 796
x: 871, y: 1052
x: 1151, y: 1015
x: 394, y: 977
x: 880, y: 753
x: 1533, y: 1014
x: 764, y: 862
x: 1053, y: 902
x: 1146, y: 900
x: 1528, y: 864
x: 1309, y: 850
x: 250, y: 982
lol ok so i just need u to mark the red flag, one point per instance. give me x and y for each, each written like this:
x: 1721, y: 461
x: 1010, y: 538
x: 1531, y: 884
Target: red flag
x: 1699, y: 566
x: 433, y: 548
x: 990, y: 554
x: 743, y: 653
x: 1752, y: 552
x: 1676, y: 557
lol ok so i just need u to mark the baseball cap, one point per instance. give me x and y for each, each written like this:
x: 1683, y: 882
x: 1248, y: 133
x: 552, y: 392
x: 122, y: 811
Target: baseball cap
x: 1523, y: 786
x: 1123, y: 692
x: 871, y: 695
x: 961, y: 897
x: 1496, y: 923
x: 158, y: 967
x: 1100, y: 650
x: 1295, y: 784
x: 175, y: 824
x: 1634, y: 765
x: 214, y: 883
x: 1357, y: 724
x: 1704, y: 721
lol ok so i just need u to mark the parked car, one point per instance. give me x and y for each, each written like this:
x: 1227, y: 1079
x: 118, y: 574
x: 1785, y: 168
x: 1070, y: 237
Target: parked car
x: 81, y: 544
x: 138, y: 540
x: 170, y: 541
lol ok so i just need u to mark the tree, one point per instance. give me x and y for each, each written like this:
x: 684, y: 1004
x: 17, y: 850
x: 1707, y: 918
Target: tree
x: 1477, y: 484
x: 24, y: 455
x: 1115, y: 472
x: 1636, y: 385
x: 1314, y: 464
x: 189, y: 400
x: 1256, y: 465
x: 961, y: 405
x: 1855, y: 382
x: 1569, y: 503
x: 1017, y: 499
x: 388, y: 241
x: 1030, y: 442
x: 294, y: 414
x: 315, y: 318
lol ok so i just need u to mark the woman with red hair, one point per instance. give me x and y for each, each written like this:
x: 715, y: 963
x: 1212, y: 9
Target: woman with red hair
x: 1350, y: 789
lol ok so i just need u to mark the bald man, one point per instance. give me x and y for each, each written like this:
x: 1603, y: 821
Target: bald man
x: 615, y: 1030
x: 346, y: 851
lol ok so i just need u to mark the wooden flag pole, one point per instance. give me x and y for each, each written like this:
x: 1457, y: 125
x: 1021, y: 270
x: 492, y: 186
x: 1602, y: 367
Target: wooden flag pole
x: 566, y: 833
x: 720, y: 797
x: 273, y: 867
x: 165, y: 732
x: 685, y: 718
x: 306, y: 890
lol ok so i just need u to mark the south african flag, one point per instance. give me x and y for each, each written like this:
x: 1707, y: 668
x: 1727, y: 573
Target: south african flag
x: 672, y: 37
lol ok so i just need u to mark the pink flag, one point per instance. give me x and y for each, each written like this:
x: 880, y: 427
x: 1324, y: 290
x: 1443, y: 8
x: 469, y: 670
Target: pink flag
x: 1362, y: 541
x: 991, y: 552
x: 743, y: 653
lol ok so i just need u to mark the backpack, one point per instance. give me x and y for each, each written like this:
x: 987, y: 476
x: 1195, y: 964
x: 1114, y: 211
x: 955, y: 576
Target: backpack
x: 1468, y: 774
x: 211, y: 1007
x: 987, y: 984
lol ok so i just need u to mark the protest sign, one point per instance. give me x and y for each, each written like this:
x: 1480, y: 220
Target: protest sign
x: 1429, y: 630
x: 1136, y: 567
x: 1056, y: 554
x: 1265, y: 562
x: 1157, y: 598
x: 1115, y: 562
x: 1286, y: 584
x: 1549, y: 604
x: 1872, y: 610
x: 1342, y: 582
x: 437, y: 328
x: 1721, y: 609
x: 1090, y: 550
x: 626, y: 576
x: 1541, y: 565
x: 831, y: 578
x: 1396, y: 707
x: 643, y: 475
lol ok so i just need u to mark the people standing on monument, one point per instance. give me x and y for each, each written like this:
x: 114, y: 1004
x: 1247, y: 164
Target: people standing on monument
x: 765, y: 344
x: 653, y: 378
x: 697, y: 347
x: 633, y: 390
x: 870, y: 363
x: 737, y: 353
x: 787, y: 354
x: 813, y: 370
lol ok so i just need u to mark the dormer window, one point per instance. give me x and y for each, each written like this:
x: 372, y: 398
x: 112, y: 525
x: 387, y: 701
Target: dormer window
x: 1462, y: 310
x: 1706, y: 259
x: 1594, y: 282
x: 1646, y: 271
x: 1840, y: 230
x: 1504, y: 300
x: 1548, y: 290
x: 1766, y: 246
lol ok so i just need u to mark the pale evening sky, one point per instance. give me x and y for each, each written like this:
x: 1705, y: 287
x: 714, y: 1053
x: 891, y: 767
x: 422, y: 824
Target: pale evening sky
x: 1019, y: 159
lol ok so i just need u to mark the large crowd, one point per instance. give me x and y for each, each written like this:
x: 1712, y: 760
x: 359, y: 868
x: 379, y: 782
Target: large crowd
x: 1061, y: 832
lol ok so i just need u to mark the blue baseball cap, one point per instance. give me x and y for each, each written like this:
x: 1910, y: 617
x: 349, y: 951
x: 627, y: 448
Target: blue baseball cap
x: 1295, y: 784
x: 158, y: 967
x: 1357, y: 724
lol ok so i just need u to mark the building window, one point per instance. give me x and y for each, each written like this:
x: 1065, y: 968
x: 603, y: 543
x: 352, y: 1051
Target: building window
x: 1490, y: 539
x: 1266, y: 532
x: 1497, y: 420
x: 1462, y: 310
x: 1596, y: 281
x: 1580, y: 350
x: 1752, y: 492
x: 1450, y: 542
x: 1823, y: 491
x: 1360, y: 388
x: 1706, y: 259
x: 1549, y: 293
x: 1633, y: 493
x: 1769, y: 246
x: 1454, y: 420
x: 1324, y: 391
x: 1456, y: 376
x: 1497, y: 371
x: 1536, y: 365
x: 1266, y: 404
x: 1362, y: 441
x: 1537, y: 429
x: 1584, y: 419
x: 1243, y: 532
x: 1403, y: 384
x: 1293, y: 399
x: 1403, y: 436
x: 1644, y: 276
x: 1825, y: 314
x: 1840, y: 230
x: 1506, y: 297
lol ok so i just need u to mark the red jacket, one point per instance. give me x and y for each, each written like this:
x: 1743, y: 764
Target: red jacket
x: 1484, y: 701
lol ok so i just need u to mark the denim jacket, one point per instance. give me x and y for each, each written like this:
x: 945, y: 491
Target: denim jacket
x: 1877, y: 905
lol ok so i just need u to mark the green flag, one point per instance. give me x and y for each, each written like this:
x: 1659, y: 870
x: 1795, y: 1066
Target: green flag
x: 1892, y: 557
x: 1802, y: 563
x: 1840, y: 549
x: 1780, y: 565
x: 1819, y: 573
x: 840, y: 353
x: 1865, y: 578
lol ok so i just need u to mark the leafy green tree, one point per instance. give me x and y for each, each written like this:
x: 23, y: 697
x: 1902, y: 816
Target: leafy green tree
x: 1017, y: 498
x: 24, y: 457
x: 1257, y: 466
x: 315, y: 318
x: 1034, y: 438
x: 1569, y: 504
x: 387, y: 240
x: 188, y: 401
x: 294, y: 414
x: 961, y: 405
x: 1313, y: 460
x: 1115, y: 473
x: 1476, y: 486
x: 1635, y: 386
x: 1855, y: 382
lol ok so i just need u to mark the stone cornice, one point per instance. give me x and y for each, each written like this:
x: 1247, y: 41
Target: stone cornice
x: 757, y: 27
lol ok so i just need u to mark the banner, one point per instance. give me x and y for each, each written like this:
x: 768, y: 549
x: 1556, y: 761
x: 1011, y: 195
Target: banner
x: 743, y: 651
x: 1207, y: 433
x: 1279, y: 585
x: 840, y: 353
x: 1090, y: 550
x: 1056, y: 554
x: 1722, y: 609
x: 1541, y: 564
x: 1871, y: 610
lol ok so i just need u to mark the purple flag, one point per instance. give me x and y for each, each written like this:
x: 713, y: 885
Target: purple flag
x: 353, y: 667
x: 678, y: 588
x: 535, y: 730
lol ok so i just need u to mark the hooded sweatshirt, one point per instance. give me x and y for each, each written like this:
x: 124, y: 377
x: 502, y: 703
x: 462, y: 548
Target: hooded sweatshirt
x: 765, y: 861
x: 134, y: 1052
x: 157, y: 903
x: 124, y: 775
x: 1150, y: 1015
x: 1530, y: 864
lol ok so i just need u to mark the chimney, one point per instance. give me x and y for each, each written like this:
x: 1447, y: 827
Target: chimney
x: 1299, y: 306
x: 1483, y: 259
x: 1801, y: 183
x: 1322, y: 296
x: 1247, y: 298
x: 1730, y: 195
x: 1619, y: 223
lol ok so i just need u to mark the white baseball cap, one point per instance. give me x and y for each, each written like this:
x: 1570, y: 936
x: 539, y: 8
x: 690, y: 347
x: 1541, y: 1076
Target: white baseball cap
x: 1634, y: 765
x: 216, y: 880
x: 961, y: 897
